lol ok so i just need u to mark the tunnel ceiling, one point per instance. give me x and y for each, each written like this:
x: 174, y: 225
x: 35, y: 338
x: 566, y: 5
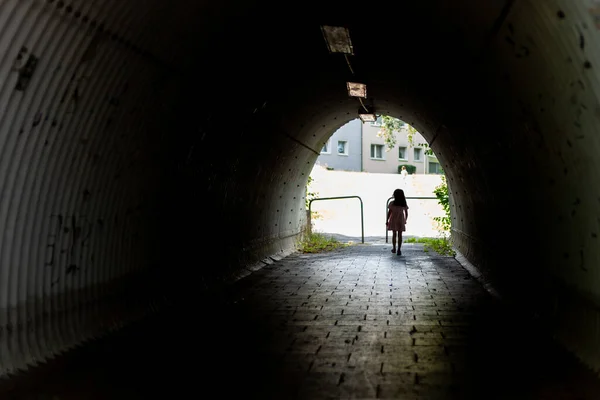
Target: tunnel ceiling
x: 270, y: 56
x: 138, y: 136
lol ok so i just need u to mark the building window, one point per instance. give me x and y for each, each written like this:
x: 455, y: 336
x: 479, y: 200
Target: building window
x: 402, y: 153
x: 326, y: 148
x: 377, y: 151
x: 435, y: 168
x: 343, y: 147
x: 417, y: 154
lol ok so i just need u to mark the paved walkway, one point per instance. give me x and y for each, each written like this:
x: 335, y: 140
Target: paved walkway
x: 359, y: 322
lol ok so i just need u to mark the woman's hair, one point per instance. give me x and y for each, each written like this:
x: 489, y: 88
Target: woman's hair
x: 399, y: 198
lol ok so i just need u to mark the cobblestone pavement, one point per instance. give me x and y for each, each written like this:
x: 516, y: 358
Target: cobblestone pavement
x: 358, y: 322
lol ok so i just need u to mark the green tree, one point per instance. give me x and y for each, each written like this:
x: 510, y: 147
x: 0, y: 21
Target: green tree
x: 441, y: 192
x: 390, y: 126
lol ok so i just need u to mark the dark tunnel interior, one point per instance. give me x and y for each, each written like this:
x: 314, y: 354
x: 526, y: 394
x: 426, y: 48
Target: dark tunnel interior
x: 151, y: 151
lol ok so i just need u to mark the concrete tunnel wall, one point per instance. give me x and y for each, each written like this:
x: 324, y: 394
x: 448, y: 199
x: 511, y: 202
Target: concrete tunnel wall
x: 151, y: 150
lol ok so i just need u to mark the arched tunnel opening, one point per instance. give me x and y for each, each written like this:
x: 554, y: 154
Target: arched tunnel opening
x: 152, y: 151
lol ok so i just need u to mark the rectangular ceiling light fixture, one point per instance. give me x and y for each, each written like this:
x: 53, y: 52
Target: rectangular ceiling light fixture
x: 357, y: 89
x: 337, y: 39
x: 367, y: 116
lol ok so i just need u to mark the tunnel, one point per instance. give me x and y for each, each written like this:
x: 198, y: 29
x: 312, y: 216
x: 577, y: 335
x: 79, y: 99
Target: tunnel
x: 151, y: 151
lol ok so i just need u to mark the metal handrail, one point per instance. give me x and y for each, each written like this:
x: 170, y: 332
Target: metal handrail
x: 362, y: 219
x: 408, y: 197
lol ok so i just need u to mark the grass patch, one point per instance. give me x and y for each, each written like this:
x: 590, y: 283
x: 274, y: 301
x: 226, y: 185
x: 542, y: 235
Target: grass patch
x: 440, y: 245
x: 316, y: 242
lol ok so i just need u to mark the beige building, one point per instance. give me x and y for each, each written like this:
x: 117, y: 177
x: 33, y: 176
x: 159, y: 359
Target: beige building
x: 376, y: 157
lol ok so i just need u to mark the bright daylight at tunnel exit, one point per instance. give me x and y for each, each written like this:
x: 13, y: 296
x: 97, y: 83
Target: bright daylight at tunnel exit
x: 234, y: 199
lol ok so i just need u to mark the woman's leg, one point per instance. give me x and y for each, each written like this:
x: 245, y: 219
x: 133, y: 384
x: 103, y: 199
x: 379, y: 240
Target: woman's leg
x: 393, y: 241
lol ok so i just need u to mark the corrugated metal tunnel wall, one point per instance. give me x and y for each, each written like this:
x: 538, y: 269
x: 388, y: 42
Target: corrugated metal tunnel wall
x: 150, y: 150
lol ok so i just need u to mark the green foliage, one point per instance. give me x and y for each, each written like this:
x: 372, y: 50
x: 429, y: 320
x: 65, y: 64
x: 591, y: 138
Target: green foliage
x: 410, y: 169
x: 440, y: 245
x: 316, y: 242
x: 309, y: 195
x: 411, y: 136
x: 426, y: 149
x: 441, y: 192
x: 391, y: 125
